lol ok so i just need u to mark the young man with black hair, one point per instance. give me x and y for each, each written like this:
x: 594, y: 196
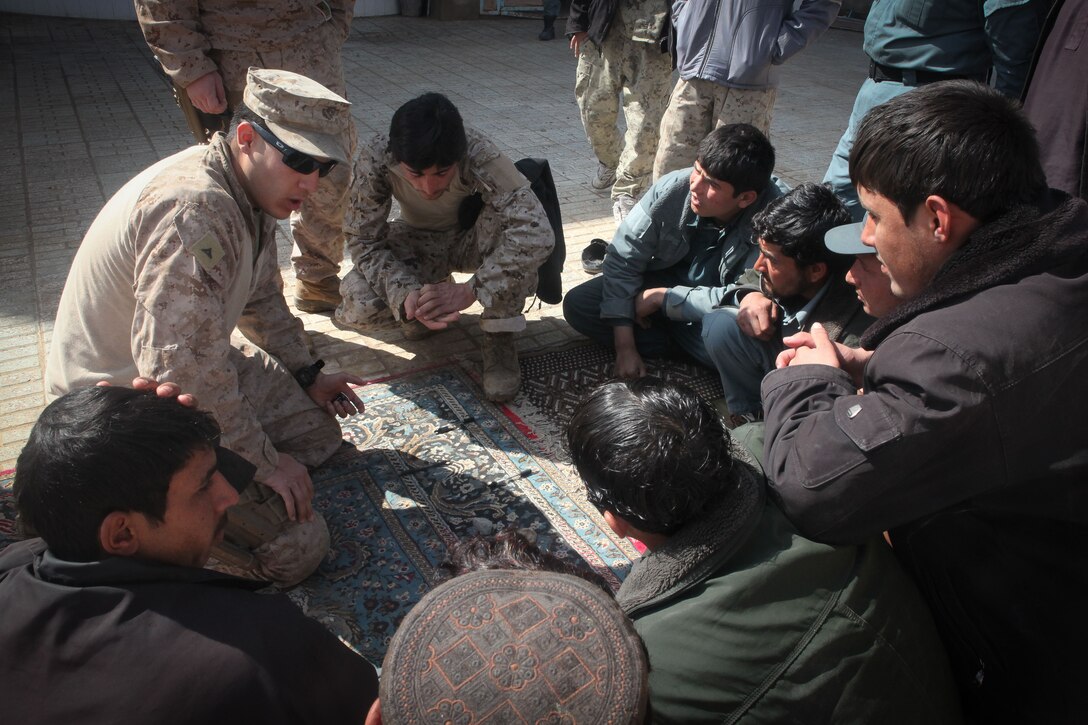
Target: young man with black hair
x: 464, y: 207
x: 678, y: 252
x: 185, y: 253
x: 795, y: 282
x: 743, y: 619
x: 967, y: 441
x: 108, y: 616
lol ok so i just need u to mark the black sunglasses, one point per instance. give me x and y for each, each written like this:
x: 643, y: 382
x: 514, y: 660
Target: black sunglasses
x: 293, y: 158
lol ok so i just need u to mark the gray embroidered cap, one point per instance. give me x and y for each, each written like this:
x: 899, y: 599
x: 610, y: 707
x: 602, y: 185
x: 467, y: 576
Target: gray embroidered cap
x: 304, y: 114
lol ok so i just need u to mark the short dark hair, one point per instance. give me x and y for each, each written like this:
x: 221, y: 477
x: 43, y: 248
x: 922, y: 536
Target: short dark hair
x: 797, y: 222
x: 103, y: 449
x: 428, y: 131
x: 651, y: 452
x: 739, y: 154
x: 509, y: 549
x: 960, y: 140
x: 244, y: 113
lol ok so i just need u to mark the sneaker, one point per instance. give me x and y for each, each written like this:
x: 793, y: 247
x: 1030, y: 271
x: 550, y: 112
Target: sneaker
x: 622, y: 206
x: 736, y: 420
x: 593, y: 256
x: 502, y: 374
x: 323, y: 296
x: 604, y: 179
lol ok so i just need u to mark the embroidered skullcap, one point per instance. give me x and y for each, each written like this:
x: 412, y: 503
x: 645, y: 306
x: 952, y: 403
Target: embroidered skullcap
x: 515, y: 647
x: 304, y: 114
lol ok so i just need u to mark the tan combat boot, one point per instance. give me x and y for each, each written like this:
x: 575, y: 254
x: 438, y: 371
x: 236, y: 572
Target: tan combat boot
x: 321, y: 296
x: 502, y: 374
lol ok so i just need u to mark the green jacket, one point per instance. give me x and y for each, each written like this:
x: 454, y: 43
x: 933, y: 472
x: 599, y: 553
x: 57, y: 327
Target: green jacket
x: 746, y: 621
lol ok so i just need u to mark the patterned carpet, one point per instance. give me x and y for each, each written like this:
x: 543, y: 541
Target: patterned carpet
x: 430, y: 463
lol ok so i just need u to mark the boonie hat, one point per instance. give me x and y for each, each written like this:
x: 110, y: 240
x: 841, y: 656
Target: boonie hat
x: 304, y: 114
x: 510, y: 646
x: 846, y: 239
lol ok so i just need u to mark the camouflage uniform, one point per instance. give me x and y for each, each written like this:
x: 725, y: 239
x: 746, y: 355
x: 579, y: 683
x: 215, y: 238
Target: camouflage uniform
x: 174, y: 262
x: 629, y: 64
x: 504, y: 249
x: 197, y: 37
x: 696, y: 108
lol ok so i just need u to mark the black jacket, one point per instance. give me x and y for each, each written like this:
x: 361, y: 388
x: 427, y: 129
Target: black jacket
x: 126, y: 641
x: 970, y: 444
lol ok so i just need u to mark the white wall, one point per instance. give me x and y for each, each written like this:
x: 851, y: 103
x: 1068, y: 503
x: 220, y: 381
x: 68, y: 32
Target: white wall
x: 123, y: 9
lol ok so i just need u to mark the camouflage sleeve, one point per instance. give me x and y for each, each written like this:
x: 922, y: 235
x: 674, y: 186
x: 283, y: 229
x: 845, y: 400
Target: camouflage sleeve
x: 366, y: 228
x: 266, y: 320
x: 172, y: 30
x: 527, y: 237
x: 180, y: 332
x: 342, y: 13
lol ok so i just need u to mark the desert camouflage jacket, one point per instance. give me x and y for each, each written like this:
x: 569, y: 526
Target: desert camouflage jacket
x: 182, y: 33
x: 527, y: 236
x: 172, y: 264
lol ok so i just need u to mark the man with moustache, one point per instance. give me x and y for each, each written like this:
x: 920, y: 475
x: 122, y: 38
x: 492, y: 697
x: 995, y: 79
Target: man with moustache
x: 109, y: 614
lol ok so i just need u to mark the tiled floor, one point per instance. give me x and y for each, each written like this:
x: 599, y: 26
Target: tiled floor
x: 83, y: 107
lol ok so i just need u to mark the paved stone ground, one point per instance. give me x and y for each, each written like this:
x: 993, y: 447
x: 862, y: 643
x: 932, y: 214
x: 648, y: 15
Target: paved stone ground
x: 83, y: 107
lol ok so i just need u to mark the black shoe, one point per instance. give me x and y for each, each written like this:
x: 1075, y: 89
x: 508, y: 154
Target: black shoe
x: 548, y: 33
x: 593, y: 256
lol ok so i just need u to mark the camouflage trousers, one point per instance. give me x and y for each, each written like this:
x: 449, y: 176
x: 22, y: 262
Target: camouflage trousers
x: 373, y: 300
x: 317, y: 227
x: 260, y: 540
x: 696, y: 108
x: 638, y: 75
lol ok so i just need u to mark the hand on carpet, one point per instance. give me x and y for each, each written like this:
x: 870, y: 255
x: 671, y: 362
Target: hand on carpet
x: 336, y: 394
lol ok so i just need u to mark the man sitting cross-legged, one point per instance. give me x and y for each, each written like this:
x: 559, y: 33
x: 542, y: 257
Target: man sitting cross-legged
x: 796, y: 281
x: 464, y: 207
x: 743, y: 619
x: 677, y: 253
x: 109, y: 618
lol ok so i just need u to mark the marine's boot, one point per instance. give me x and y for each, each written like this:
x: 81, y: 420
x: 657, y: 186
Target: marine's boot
x: 502, y: 374
x: 548, y: 33
x: 321, y: 296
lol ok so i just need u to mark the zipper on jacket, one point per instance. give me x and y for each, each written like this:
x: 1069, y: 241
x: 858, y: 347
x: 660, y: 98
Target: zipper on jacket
x: 713, y: 35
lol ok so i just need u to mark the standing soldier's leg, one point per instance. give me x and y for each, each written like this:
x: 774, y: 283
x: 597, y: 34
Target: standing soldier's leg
x: 686, y: 122
x: 738, y: 105
x: 596, y: 89
x: 648, y: 75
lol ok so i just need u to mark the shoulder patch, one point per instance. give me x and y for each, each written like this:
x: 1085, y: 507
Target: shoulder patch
x: 208, y: 251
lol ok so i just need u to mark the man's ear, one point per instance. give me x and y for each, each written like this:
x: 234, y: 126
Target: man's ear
x: 244, y: 134
x: 746, y: 198
x: 116, y: 535
x: 618, y: 525
x: 815, y: 272
x: 950, y: 224
x: 374, y: 715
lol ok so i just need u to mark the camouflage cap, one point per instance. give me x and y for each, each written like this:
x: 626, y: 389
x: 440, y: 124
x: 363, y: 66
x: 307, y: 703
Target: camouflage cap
x: 515, y: 646
x: 304, y: 114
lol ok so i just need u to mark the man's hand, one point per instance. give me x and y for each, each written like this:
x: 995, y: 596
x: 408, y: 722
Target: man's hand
x: 816, y: 348
x: 576, y: 42
x: 647, y: 302
x: 629, y: 364
x: 757, y: 316
x: 437, y: 305
x: 207, y: 93
x: 162, y: 390
x: 292, y: 482
x: 335, y: 394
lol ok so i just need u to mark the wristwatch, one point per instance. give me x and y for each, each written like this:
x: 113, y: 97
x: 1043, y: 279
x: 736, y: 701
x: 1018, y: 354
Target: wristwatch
x: 307, y: 375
